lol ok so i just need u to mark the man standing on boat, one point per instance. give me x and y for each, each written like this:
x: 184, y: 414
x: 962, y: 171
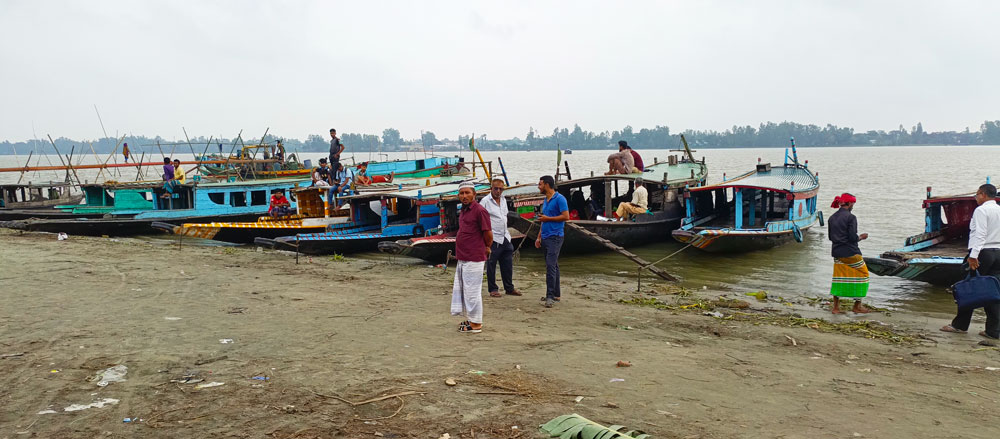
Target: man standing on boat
x: 472, y: 247
x: 638, y: 205
x: 984, y: 257
x: 335, y: 149
x: 850, y: 274
x: 126, y: 152
x: 636, y: 159
x: 555, y: 213
x: 502, y: 250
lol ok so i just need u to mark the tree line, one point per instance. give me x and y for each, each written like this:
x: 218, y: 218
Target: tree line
x: 769, y: 134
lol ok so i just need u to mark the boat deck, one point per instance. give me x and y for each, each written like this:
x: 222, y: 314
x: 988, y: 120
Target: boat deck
x: 951, y: 249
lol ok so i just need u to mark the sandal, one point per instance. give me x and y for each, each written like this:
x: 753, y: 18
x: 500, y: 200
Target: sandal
x: 513, y: 293
x: 495, y: 294
x: 984, y: 334
x: 469, y: 330
x: 949, y: 328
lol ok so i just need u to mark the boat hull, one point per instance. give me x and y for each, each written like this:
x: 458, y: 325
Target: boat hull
x: 114, y: 226
x: 936, y: 271
x: 23, y: 214
x: 723, y: 242
x: 355, y: 243
x: 431, y: 249
x: 623, y: 233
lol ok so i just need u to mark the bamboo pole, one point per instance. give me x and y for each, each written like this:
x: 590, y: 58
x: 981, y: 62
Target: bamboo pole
x: 58, y: 154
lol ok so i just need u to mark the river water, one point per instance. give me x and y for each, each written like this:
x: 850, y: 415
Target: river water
x: 890, y: 183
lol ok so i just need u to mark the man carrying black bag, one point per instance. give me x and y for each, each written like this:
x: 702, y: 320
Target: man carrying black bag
x: 984, y: 256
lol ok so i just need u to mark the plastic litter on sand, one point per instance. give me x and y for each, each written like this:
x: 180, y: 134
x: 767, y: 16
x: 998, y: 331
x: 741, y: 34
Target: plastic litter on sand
x: 110, y: 375
x: 211, y: 384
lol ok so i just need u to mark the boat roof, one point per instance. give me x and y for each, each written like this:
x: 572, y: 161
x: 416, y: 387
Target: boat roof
x: 779, y: 178
x: 37, y: 185
x: 445, y: 190
x: 968, y: 198
x: 676, y: 175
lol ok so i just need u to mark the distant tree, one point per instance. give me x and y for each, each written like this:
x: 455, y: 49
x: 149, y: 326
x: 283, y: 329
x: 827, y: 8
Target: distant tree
x: 428, y: 139
x: 391, y: 139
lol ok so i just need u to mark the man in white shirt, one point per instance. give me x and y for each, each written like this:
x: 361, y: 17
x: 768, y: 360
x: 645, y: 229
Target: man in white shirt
x: 984, y: 256
x: 502, y: 250
x: 639, y: 204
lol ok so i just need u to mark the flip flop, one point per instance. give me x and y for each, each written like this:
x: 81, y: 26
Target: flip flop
x: 495, y: 294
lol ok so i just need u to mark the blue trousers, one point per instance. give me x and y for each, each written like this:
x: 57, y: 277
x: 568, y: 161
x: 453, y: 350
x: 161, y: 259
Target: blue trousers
x: 551, y: 246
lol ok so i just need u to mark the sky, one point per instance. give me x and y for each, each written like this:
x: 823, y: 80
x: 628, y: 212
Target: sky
x: 495, y: 68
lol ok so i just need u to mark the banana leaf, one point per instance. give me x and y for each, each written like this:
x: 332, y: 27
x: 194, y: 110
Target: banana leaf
x: 575, y: 426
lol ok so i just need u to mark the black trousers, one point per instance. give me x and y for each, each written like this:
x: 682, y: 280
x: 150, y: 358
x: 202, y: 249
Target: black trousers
x: 504, y: 254
x: 989, y: 265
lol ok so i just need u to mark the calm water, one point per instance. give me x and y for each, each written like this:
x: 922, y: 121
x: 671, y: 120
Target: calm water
x: 890, y: 183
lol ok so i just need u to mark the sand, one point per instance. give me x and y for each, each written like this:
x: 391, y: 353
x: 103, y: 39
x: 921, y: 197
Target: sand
x: 327, y: 331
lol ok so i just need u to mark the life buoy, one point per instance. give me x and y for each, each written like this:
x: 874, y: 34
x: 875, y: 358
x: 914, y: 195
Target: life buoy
x: 797, y: 233
x: 821, y: 222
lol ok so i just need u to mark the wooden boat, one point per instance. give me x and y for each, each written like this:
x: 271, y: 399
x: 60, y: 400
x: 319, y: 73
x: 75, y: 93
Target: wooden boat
x: 310, y: 218
x: 592, y: 201
x: 383, y: 216
x: 289, y: 167
x: 761, y: 209
x: 37, y: 195
x: 937, y: 255
x: 35, y: 200
x: 194, y: 202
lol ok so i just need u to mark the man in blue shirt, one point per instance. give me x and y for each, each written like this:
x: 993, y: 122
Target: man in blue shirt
x: 344, y: 179
x: 555, y: 213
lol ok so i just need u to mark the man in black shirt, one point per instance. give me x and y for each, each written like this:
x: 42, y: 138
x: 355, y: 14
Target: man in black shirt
x: 335, y: 149
x: 850, y: 275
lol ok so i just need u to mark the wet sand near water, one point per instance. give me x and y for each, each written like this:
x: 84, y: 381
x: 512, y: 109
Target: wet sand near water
x: 302, y: 350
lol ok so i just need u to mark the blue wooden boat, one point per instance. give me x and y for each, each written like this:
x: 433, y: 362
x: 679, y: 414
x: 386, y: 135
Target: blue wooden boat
x: 383, y: 216
x: 760, y: 209
x: 937, y: 255
x: 194, y: 202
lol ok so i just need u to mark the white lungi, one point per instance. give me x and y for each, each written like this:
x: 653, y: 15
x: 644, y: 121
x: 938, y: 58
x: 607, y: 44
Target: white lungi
x: 467, y: 294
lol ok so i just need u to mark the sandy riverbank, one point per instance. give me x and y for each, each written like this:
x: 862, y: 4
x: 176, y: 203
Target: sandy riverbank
x: 358, y: 329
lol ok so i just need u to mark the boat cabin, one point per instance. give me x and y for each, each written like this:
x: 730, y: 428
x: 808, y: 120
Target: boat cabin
x: 36, y: 195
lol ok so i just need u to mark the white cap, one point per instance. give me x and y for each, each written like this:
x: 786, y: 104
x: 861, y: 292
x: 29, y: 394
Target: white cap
x: 467, y: 184
x: 498, y: 177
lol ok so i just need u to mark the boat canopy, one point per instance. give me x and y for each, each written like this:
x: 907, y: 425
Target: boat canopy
x: 786, y: 179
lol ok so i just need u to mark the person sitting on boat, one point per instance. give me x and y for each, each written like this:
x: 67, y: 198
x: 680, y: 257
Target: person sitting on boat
x: 279, y: 155
x: 620, y: 163
x: 361, y: 177
x: 280, y: 206
x: 637, y: 206
x: 636, y: 159
x: 322, y: 176
x: 984, y: 258
x: 168, y: 178
x: 345, y: 176
x: 179, y: 174
x: 850, y: 274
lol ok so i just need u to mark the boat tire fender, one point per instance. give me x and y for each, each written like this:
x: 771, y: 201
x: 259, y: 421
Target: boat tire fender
x: 797, y: 233
x: 819, y: 214
x: 418, y: 230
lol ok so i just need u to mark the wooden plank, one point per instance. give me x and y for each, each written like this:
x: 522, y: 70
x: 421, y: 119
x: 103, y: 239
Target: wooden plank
x: 618, y: 249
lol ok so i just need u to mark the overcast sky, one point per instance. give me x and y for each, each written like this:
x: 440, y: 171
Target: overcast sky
x: 300, y: 68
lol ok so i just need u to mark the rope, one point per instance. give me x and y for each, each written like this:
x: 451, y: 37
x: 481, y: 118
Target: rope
x: 668, y: 256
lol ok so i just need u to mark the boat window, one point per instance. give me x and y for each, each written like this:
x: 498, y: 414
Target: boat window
x: 238, y: 199
x: 217, y: 197
x: 258, y: 198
